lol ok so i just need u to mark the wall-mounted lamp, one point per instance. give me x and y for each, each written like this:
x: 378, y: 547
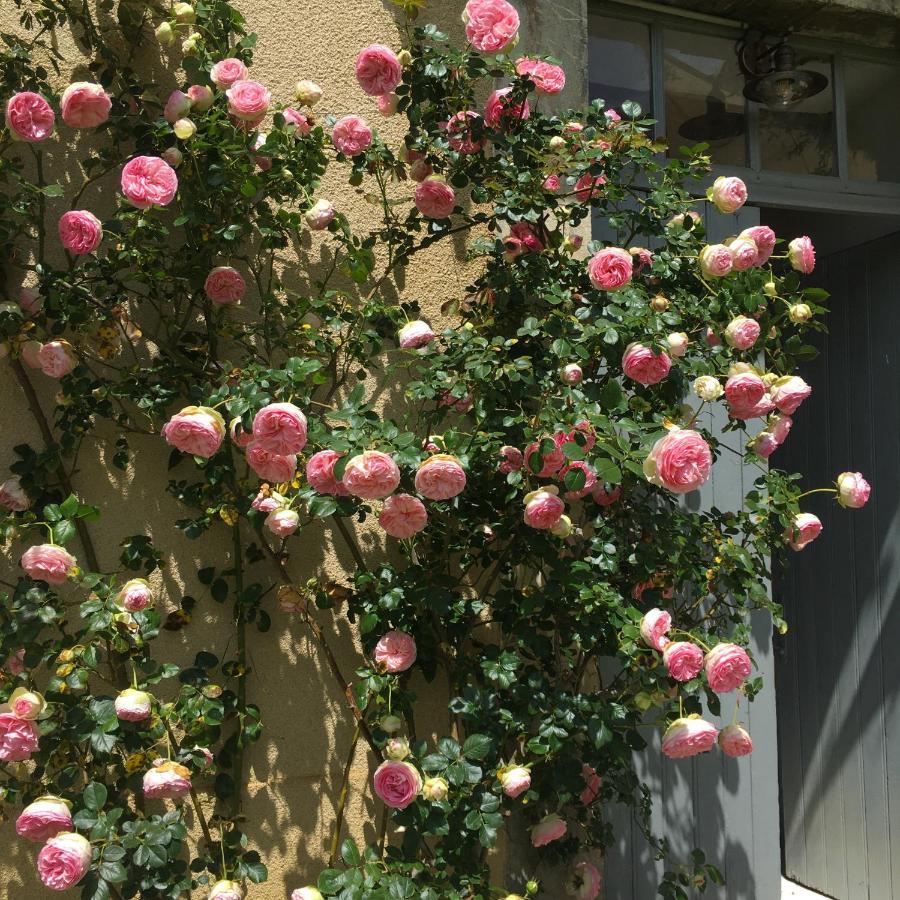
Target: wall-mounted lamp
x: 771, y: 74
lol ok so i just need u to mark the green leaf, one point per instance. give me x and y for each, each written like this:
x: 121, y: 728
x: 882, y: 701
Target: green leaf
x: 350, y: 852
x: 322, y: 506
x: 94, y: 796
x: 599, y: 732
x: 69, y: 506
x: 63, y: 531
x: 477, y: 746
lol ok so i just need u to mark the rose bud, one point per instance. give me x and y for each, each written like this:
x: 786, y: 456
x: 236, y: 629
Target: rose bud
x: 414, y: 335
x: 391, y: 724
x: 799, y: 313
x: 306, y: 893
x: 43, y: 819
x: 678, y: 342
x: 802, y: 254
x: 25, y: 704
x: 173, y: 156
x: 226, y: 890
x: 853, y: 490
x: 803, y: 530
x: 282, y: 522
x: 770, y: 289
x: 184, y: 13
x: 708, y: 388
x: 435, y: 789
x: 319, y: 216
x: 165, y: 34
x: 551, y: 828
x: 308, y: 92
x: 177, y: 107
x: 133, y: 705
x: 514, y: 780
x: 563, y: 528
x: 184, y: 129
x: 735, y: 741
x: 659, y: 303
x: 134, y: 595
x: 397, y: 748
x: 202, y: 97
x: 571, y: 374
x: 167, y: 780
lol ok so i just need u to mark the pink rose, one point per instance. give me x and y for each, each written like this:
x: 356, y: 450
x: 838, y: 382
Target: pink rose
x: 388, y: 104
x: 133, y: 705
x: 543, y: 508
x: 802, y: 254
x: 320, y: 215
x: 48, y: 562
x: 780, y: 426
x: 307, y: 893
x: 166, y: 781
x: 511, y: 459
x: 688, y: 737
x: 13, y: 496
x: 415, y: 334
x: 788, y: 393
x: 350, y: 135
x: 763, y: 445
x: 85, y: 105
x: 459, y: 132
x: 395, y: 652
x: 744, y: 253
x: 43, y: 819
x: 735, y: 741
x: 435, y: 198
x: 551, y: 183
x: 177, y: 107
x: 440, y: 477
x: 403, y: 516
x: 25, y: 704
x: 149, y: 181
x: 280, y: 428
x: 553, y: 461
x: 248, y: 100
x: 500, y: 112
x: 744, y: 391
x: 491, y: 25
x: 644, y: 366
x: 225, y: 286
x: 764, y: 238
x: 201, y: 97
x: 134, y: 595
x: 29, y: 117
x: 30, y: 301
x: 64, y: 860
x: 678, y: 221
x: 547, y: 78
x: 678, y: 343
x: 610, y: 269
x: 680, y: 461
x: 282, y: 522
x: 80, y: 231
x: 527, y: 236
x: 592, y: 784
x: 320, y: 473
x: 728, y: 194
x: 716, y: 260
x: 15, y: 662
x: 56, y: 359
x: 602, y: 497
x: 613, y: 118
x: 571, y: 374
x: 18, y: 738
x: 228, y: 71
x: 683, y: 660
x: 803, y: 530
x: 551, y: 828
x: 372, y: 475
x: 277, y: 468
x: 583, y: 434
x: 727, y: 666
x: 711, y: 338
x: 584, y: 883
x: 643, y: 258
x: 590, y: 479
x: 655, y: 624
x: 853, y: 490
x: 397, y: 783
x: 742, y: 333
x: 514, y: 780
x: 296, y: 121
x: 197, y: 430
x: 378, y: 70
x: 267, y: 501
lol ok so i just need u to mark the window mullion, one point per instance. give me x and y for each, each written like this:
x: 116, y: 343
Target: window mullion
x: 658, y: 76
x: 840, y: 116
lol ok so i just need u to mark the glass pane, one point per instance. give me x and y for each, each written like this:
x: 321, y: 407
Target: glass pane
x: 703, y: 96
x: 801, y: 138
x: 873, y: 131
x: 620, y: 67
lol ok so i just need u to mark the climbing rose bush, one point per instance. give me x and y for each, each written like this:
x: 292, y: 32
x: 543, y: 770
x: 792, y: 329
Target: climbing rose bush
x: 525, y: 493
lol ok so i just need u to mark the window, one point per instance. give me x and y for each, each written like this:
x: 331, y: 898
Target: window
x: 620, y: 62
x: 873, y: 127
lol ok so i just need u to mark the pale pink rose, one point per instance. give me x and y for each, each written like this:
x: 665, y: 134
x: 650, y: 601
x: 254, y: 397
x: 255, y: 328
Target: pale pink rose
x: 166, y: 781
x: 228, y: 71
x: 13, y: 496
x: 491, y: 25
x: 802, y: 254
x: 397, y: 748
x: 197, y: 430
x: 612, y: 116
x: 440, y: 477
x: 248, y: 100
x: 350, y: 135
x: 582, y: 434
x: 742, y: 333
x: 30, y: 301
x: 588, y: 187
x: 135, y: 595
x: 764, y: 238
x: 603, y: 497
x: 201, y: 97
x: 29, y: 117
x: 177, y: 107
x: 295, y: 121
x: 727, y: 666
x: 853, y: 490
x: 643, y: 258
x: 711, y: 338
x: 547, y: 78
x: 744, y: 253
x: 551, y: 183
x: 64, y: 860
x: 678, y: 343
x: 688, y: 737
x: 571, y: 374
x: 683, y: 660
x: 590, y: 478
x: 15, y: 662
x: 320, y: 473
x: 25, y: 704
x: 133, y: 705
x: 543, y: 508
x: 388, y: 104
x: 728, y: 194
x: 511, y: 459
x: 735, y: 741
x: 43, y: 819
x: 80, y: 231
x: 678, y: 221
x: 395, y: 652
x: 378, y: 70
x: 780, y: 426
x: 277, y: 468
x: 459, y: 132
x: 434, y: 198
x: 320, y: 215
x: 282, y: 522
x: 592, y: 784
x: 403, y: 516
x: 680, y: 461
x: 642, y: 365
x: 397, y: 783
x: 552, y: 461
x: 415, y: 334
x: 48, y: 562
x: 763, y: 445
x: 502, y: 113
x: 306, y: 893
x: 551, y: 828
x: 514, y: 780
x: 744, y: 391
x: 715, y: 260
x: 149, y: 181
x: 56, y: 359
x: 803, y: 530
x: 225, y: 286
x: 280, y: 428
x: 788, y: 393
x: 372, y: 475
x: 655, y: 624
x: 435, y: 789
x: 18, y: 738
x: 226, y: 890
x: 266, y: 502
x: 610, y: 269
x: 85, y: 105
x: 584, y: 883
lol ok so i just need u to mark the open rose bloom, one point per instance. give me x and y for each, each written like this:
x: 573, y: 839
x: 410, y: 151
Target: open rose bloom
x: 397, y: 783
x: 198, y: 430
x: 167, y: 780
x: 149, y: 181
x: 403, y: 516
x: 687, y: 737
x: 18, y: 738
x: 514, y: 780
x: 350, y: 135
x: 48, y: 562
x: 378, y: 70
x: 320, y: 473
x: 29, y: 117
x: 372, y: 475
x: 440, y: 477
x: 680, y: 462
x: 491, y: 25
x: 395, y: 652
x: 43, y: 819
x: 64, y: 860
x: 551, y: 828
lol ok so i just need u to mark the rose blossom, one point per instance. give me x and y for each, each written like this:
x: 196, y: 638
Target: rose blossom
x: 25, y: 704
x: 350, y: 135
x: 514, y: 780
x: 320, y: 215
x: 280, y: 428
x: 80, y: 231
x: 592, y: 784
x: 655, y: 624
x: 13, y: 496
x: 727, y: 666
x: 282, y: 522
x: 226, y: 890
x: 543, y: 508
x: 378, y: 70
x: 708, y: 388
x: 48, y: 562
x: 679, y: 220
x: 387, y: 104
x: 415, y: 334
x: 644, y: 366
x: 395, y: 652
x: 225, y: 286
x: 680, y: 461
x: 402, y: 516
x: 435, y: 789
x: 397, y: 783
x: 780, y: 426
x: 712, y: 339
x: 788, y: 393
x: 500, y: 113
x: 764, y: 238
x: 201, y: 97
x: 43, y: 819
x: 372, y: 475
x: 296, y: 122
x: 743, y: 254
x: 397, y: 748
x: 149, y: 181
x: 588, y: 187
x: 308, y: 92
x: 29, y: 117
x: 320, y: 473
x: 602, y: 497
x: 491, y: 25
x: 584, y: 883
x: 511, y: 459
x: 459, y: 132
x: 15, y: 662
x: 197, y: 430
x: 85, y: 105
x: 551, y: 828
x: 551, y: 183
x: 610, y: 268
x: 228, y: 71
x: 173, y: 156
x: 434, y: 198
x: 56, y: 359
x: 715, y: 260
x: 590, y: 478
x: 440, y: 477
x: 728, y: 194
x: 764, y: 444
x: 742, y: 333
x: 571, y: 374
x: 678, y: 343
x: 735, y: 741
x: 133, y: 705
x: 18, y: 738
x: 853, y: 490
x: 688, y: 737
x: 802, y: 254
x: 167, y: 780
x: 803, y: 530
x: 134, y: 595
x: 64, y: 860
x: 275, y: 467
x: 177, y: 107
x: 306, y: 893
x: 248, y: 100
x: 553, y: 461
x: 744, y: 390
x: 547, y: 78
x: 683, y: 660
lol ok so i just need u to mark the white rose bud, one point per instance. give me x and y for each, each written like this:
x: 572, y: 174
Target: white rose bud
x: 435, y: 789
x: 308, y: 92
x: 165, y: 33
x: 189, y: 46
x: 391, y: 724
x: 563, y: 528
x: 708, y: 388
x: 173, y: 156
x: 678, y: 342
x: 557, y: 143
x: 184, y: 129
x: 397, y: 748
x: 320, y: 215
x: 185, y: 13
x: 799, y: 313
x: 571, y: 374
x: 770, y: 289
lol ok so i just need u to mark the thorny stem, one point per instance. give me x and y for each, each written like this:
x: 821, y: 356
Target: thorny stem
x: 195, y: 799
x: 342, y: 798
x: 241, y: 624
